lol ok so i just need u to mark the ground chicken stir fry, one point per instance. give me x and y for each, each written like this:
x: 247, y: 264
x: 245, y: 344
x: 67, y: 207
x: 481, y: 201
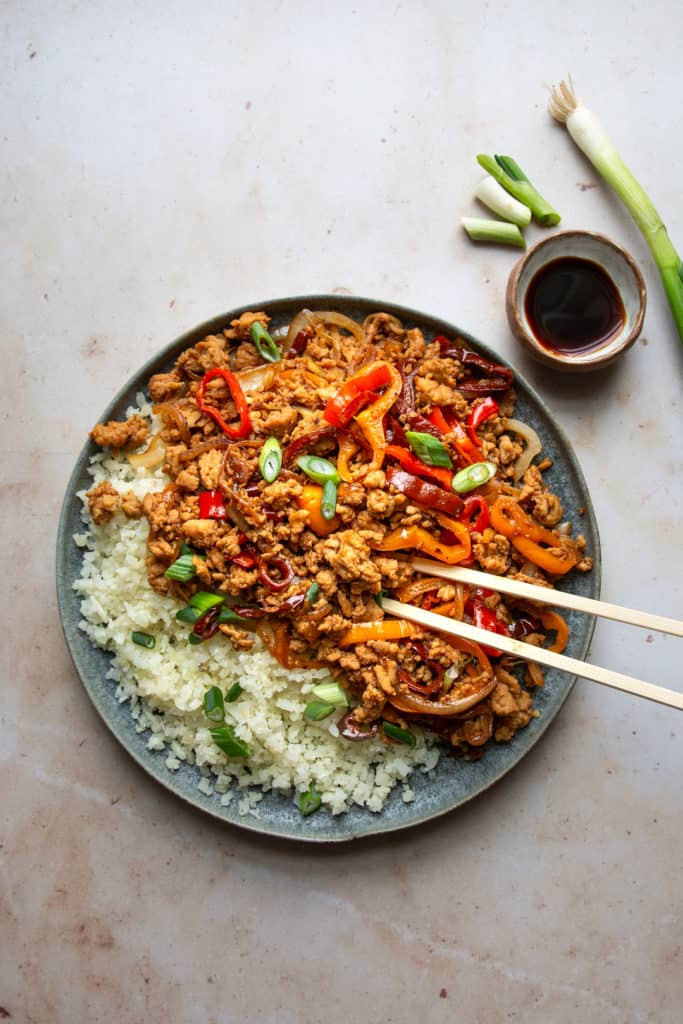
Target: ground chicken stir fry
x: 306, y: 470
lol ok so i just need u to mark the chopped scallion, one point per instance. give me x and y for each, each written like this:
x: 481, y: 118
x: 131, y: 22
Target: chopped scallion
x: 312, y: 594
x: 510, y: 175
x: 492, y: 194
x: 482, y: 230
x: 428, y: 448
x: 328, y: 500
x: 142, y: 639
x: 270, y: 460
x: 317, y: 710
x: 228, y: 615
x: 394, y: 732
x: 195, y: 639
x: 182, y: 569
x: 188, y: 614
x: 330, y: 692
x: 318, y: 469
x: 202, y: 601
x: 214, y: 707
x: 473, y: 476
x: 225, y: 738
x: 267, y: 348
x: 309, y: 801
x: 233, y: 693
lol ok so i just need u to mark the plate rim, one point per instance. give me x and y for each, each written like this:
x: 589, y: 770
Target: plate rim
x: 376, y: 825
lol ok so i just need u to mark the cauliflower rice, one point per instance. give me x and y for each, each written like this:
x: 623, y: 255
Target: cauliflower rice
x: 166, y: 685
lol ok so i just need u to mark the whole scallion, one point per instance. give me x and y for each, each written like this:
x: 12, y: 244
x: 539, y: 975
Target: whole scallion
x: 510, y: 175
x: 270, y: 460
x: 429, y: 449
x: 309, y: 801
x: 265, y: 345
x: 590, y: 136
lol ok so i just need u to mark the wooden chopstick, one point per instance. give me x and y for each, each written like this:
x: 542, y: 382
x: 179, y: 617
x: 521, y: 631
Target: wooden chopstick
x: 548, y: 595
x: 606, y: 676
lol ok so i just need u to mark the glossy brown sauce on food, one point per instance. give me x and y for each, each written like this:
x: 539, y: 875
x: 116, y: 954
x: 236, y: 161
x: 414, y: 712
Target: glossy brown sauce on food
x: 573, y: 306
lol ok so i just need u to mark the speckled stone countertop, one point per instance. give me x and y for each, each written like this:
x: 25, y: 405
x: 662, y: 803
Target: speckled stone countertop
x: 162, y: 163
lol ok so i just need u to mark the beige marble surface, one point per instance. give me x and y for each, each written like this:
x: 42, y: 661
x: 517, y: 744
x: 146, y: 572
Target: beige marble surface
x: 164, y: 162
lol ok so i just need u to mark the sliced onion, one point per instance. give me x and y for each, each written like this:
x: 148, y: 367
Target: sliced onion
x: 301, y: 322
x: 152, y: 457
x: 339, y: 320
x: 411, y: 702
x: 533, y: 446
x: 172, y: 416
x: 257, y: 377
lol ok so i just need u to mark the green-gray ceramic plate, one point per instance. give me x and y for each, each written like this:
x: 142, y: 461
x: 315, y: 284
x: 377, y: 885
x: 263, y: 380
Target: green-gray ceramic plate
x: 453, y: 782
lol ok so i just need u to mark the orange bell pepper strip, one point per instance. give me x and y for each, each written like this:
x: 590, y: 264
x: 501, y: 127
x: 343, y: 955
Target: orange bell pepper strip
x: 422, y: 540
x: 551, y: 620
x: 310, y: 500
x: 383, y: 629
x: 371, y: 419
x: 545, y: 548
x: 348, y: 447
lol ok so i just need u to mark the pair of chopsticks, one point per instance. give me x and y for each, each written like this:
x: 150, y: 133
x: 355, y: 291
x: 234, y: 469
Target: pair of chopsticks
x: 546, y: 596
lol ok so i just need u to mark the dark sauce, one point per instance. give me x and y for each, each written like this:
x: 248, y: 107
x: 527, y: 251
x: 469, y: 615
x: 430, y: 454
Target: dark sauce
x: 573, y: 306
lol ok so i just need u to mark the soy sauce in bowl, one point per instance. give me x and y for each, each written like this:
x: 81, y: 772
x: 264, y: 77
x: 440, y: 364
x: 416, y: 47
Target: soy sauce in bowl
x: 573, y: 306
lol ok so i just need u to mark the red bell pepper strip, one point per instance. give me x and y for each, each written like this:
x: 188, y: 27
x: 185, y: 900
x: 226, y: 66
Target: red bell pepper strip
x: 411, y: 463
x: 212, y: 505
x: 484, y: 618
x: 467, y: 451
x: 424, y: 493
x: 343, y: 406
x: 475, y: 514
x: 481, y: 412
x: 437, y: 418
x: 238, y: 397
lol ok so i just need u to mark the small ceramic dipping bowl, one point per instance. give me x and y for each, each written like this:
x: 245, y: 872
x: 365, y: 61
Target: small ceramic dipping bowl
x: 576, y: 301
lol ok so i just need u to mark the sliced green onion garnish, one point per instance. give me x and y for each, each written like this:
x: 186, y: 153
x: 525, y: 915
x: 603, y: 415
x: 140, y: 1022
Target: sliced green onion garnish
x: 185, y: 549
x: 267, y: 348
x: 233, y: 693
x: 214, y: 707
x: 202, y: 601
x: 380, y: 597
x: 328, y: 501
x: 473, y: 476
x: 309, y: 801
x: 318, y: 469
x: 188, y: 614
x: 394, y: 732
x: 330, y: 692
x: 195, y: 639
x: 228, y: 615
x: 224, y: 737
x: 317, y: 710
x: 142, y: 639
x: 270, y: 460
x: 510, y: 175
x: 428, y: 448
x: 482, y: 230
x: 312, y: 594
x: 182, y: 569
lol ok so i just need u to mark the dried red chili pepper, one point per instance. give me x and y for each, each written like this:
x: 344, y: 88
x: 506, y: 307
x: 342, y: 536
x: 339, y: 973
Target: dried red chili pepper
x: 423, y: 492
x: 238, y: 397
x: 207, y: 625
x: 281, y: 566
x: 350, y: 730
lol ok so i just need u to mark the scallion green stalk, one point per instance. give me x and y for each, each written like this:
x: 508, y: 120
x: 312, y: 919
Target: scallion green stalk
x: 510, y: 175
x: 270, y: 460
x: 214, y: 706
x: 492, y: 194
x: 143, y: 639
x: 473, y: 476
x: 328, y: 500
x: 330, y: 692
x: 399, y: 735
x: 233, y: 693
x: 590, y: 136
x: 316, y: 710
x: 182, y: 569
x: 202, y: 601
x: 429, y: 449
x: 318, y: 469
x: 309, y: 801
x: 225, y: 738
x: 481, y: 230
x: 267, y: 348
